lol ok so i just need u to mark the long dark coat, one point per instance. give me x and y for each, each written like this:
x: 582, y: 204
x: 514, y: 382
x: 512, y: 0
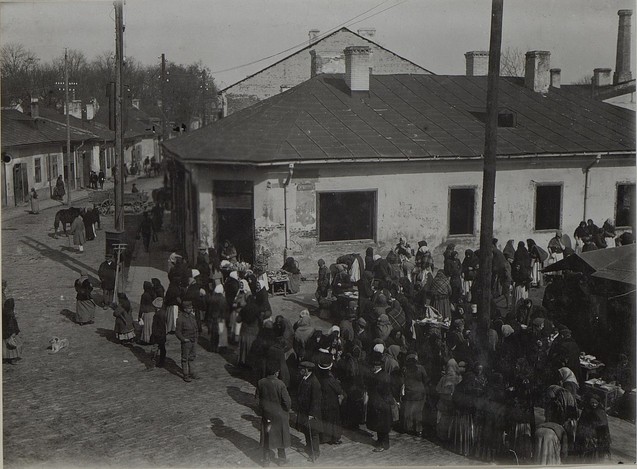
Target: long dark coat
x: 379, y: 416
x: 106, y: 274
x: 309, y: 403
x: 275, y: 405
x: 276, y: 354
x: 330, y: 405
x: 78, y: 230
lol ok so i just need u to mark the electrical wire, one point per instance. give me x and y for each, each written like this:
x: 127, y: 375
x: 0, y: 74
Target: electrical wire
x: 319, y: 37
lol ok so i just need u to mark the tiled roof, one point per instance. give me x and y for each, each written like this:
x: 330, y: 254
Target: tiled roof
x: 313, y: 45
x: 407, y: 116
x: 139, y: 123
x: 99, y: 130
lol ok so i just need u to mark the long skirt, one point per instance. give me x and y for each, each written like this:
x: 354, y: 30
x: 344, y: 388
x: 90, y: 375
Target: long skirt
x: 130, y: 335
x: 521, y: 442
x: 84, y: 311
x: 443, y: 306
x: 463, y: 433
x: 332, y: 429
x: 411, y: 413
x: 353, y: 408
x: 8, y: 353
x: 147, y: 328
x: 536, y: 275
x: 245, y: 344
x: 171, y: 318
x: 35, y: 205
x: 520, y: 293
x: 444, y: 422
x: 547, y: 447
x: 466, y: 288
x: 294, y: 283
x: 223, y: 333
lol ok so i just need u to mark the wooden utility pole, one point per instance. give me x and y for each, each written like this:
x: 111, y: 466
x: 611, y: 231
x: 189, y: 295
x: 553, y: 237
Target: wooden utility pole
x: 119, y: 132
x: 203, y: 97
x: 164, y: 134
x: 67, y: 159
x: 489, y: 172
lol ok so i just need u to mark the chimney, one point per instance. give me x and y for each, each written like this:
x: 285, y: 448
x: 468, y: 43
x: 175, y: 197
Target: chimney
x: 477, y: 63
x: 556, y: 77
x: 313, y: 34
x: 357, y: 68
x: 369, y: 33
x: 601, y: 77
x: 75, y: 109
x: 622, y: 64
x: 536, y: 71
x: 326, y: 62
x: 35, y: 108
x: 135, y: 102
x: 90, y: 111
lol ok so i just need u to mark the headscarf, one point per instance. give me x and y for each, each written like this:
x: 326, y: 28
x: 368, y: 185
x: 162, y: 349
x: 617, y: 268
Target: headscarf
x: 507, y: 330
x: 383, y: 319
x: 234, y: 274
x: 262, y: 284
x: 450, y: 379
x: 219, y: 289
x: 509, y: 250
x: 394, y: 351
x: 173, y: 258
x: 335, y: 329
x: 440, y: 284
x: 567, y: 375
x: 377, y: 256
x: 303, y: 331
x: 380, y: 348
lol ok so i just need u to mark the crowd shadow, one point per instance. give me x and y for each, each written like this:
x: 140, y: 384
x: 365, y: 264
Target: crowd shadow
x: 245, y: 444
x: 68, y: 314
x: 241, y: 397
x: 58, y: 256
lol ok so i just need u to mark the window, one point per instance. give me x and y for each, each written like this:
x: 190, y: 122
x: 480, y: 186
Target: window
x: 624, y: 209
x: 462, y: 211
x: 38, y: 169
x: 54, y: 167
x: 345, y: 216
x: 548, y: 207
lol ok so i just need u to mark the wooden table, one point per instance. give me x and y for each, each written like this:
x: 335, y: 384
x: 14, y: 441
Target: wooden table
x: 589, y: 369
x: 278, y: 286
x: 607, y: 393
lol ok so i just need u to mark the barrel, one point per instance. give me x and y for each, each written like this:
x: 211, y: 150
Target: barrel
x: 112, y: 238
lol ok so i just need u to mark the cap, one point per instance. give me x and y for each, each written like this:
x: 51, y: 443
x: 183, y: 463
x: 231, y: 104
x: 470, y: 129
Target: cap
x: 307, y: 365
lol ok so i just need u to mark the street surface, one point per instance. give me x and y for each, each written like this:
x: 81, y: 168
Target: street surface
x: 97, y: 403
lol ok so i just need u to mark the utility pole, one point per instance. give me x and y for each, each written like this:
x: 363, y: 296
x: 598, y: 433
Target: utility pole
x: 67, y: 160
x: 162, y: 90
x: 489, y: 171
x: 119, y: 133
x: 203, y: 97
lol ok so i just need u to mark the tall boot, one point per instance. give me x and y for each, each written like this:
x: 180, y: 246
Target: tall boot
x: 186, y: 371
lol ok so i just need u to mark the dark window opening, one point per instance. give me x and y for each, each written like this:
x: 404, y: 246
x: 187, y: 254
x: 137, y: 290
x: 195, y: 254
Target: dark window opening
x: 38, y: 170
x: 462, y: 211
x: 548, y: 207
x: 345, y: 216
x: 624, y: 210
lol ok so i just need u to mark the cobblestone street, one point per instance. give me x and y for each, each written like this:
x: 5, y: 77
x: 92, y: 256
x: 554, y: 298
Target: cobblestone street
x: 98, y: 403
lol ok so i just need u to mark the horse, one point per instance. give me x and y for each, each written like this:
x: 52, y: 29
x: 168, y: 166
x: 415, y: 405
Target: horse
x: 66, y: 215
x: 162, y: 197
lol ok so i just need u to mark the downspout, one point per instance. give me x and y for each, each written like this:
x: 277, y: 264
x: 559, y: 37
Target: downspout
x: 586, y: 170
x: 286, y: 183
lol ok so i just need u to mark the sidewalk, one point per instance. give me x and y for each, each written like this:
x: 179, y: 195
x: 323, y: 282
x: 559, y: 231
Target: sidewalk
x: 78, y: 196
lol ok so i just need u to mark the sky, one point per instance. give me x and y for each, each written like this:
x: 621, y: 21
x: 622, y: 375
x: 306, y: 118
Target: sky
x: 225, y: 35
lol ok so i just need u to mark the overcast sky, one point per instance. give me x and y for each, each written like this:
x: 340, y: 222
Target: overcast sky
x: 227, y: 34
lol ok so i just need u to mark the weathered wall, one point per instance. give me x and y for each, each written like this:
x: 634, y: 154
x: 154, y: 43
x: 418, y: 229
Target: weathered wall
x: 296, y: 69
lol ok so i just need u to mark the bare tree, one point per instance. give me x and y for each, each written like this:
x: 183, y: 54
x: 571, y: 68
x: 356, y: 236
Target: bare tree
x: 584, y: 80
x: 512, y: 62
x: 16, y: 60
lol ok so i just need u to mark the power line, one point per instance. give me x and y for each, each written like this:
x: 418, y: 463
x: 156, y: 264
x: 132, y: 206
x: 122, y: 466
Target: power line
x: 321, y: 36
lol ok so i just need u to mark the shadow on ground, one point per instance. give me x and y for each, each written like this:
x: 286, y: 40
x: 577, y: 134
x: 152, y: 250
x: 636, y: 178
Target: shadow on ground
x: 245, y: 444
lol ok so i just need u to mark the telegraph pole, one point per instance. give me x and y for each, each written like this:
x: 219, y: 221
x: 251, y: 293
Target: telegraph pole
x: 203, y: 97
x: 67, y: 160
x: 489, y: 171
x: 119, y: 133
x: 164, y: 135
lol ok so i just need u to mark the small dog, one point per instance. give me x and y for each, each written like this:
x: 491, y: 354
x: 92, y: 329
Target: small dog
x: 58, y: 344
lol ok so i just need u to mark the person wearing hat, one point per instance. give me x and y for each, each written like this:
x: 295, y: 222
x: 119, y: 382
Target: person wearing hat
x: 196, y: 294
x: 146, y: 312
x: 309, y: 409
x: 145, y: 230
x: 106, y: 273
x: 379, y: 405
x: 158, y: 335
x: 332, y: 395
x: 187, y: 332
x: 124, y: 328
x: 564, y: 351
x: 275, y: 405
x: 362, y: 335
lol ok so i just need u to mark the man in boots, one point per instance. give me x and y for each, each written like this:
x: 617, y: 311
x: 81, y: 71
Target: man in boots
x: 187, y: 333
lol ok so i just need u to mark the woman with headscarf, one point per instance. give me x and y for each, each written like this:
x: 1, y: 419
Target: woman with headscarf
x: 124, y: 328
x: 509, y: 251
x: 383, y: 327
x: 470, y: 265
x: 262, y: 300
x: 466, y: 396
x: 294, y: 274
x: 369, y: 259
x: 172, y: 300
x: 441, y: 291
x: 592, y: 439
x: 538, y: 256
x: 84, y: 304
x: 158, y: 289
x: 445, y: 389
x: 229, y: 252
x: 35, y: 202
x: 365, y: 292
x: 11, y: 340
x: 216, y: 313
x: 568, y: 381
x: 551, y: 444
x: 453, y: 270
x: 283, y: 328
x: 414, y: 395
x: 302, y: 335
x: 158, y: 336
x: 582, y: 236
x: 382, y: 271
x: 349, y: 371
x: 521, y: 272
x: 560, y: 407
x: 323, y: 281
x: 146, y: 313
x: 248, y: 317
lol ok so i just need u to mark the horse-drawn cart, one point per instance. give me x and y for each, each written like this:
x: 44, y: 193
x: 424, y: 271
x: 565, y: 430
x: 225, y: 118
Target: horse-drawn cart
x: 135, y: 201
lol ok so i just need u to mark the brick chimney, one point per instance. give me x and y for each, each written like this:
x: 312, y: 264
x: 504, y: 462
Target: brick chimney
x: 556, y: 77
x: 357, y: 68
x: 35, y: 108
x: 601, y: 77
x: 326, y: 62
x: 536, y: 71
x: 477, y: 63
x: 75, y: 109
x: 622, y: 64
x: 369, y: 33
x: 90, y: 111
x: 313, y: 35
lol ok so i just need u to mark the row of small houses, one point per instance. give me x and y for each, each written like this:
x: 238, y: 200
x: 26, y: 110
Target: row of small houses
x: 343, y: 161
x: 34, y: 143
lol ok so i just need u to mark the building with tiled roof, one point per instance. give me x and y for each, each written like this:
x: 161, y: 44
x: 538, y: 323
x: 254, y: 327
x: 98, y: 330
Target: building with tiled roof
x: 342, y: 162
x: 321, y: 55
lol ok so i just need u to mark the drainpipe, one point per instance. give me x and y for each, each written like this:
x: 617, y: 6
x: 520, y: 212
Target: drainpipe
x: 586, y: 170
x: 286, y: 183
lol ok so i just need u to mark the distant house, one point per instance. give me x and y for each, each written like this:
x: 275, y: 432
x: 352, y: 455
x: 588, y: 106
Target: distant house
x: 324, y: 55
x: 33, y: 149
x: 345, y: 161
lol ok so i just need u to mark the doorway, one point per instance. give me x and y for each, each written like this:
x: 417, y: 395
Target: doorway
x: 235, y: 216
x: 20, y: 183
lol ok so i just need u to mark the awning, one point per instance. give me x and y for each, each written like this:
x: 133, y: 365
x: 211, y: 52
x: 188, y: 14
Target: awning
x: 617, y: 264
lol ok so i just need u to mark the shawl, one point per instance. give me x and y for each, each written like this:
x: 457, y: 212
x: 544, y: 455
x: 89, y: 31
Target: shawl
x: 303, y: 331
x: 509, y: 250
x: 450, y: 379
x: 440, y: 285
x: 568, y: 376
